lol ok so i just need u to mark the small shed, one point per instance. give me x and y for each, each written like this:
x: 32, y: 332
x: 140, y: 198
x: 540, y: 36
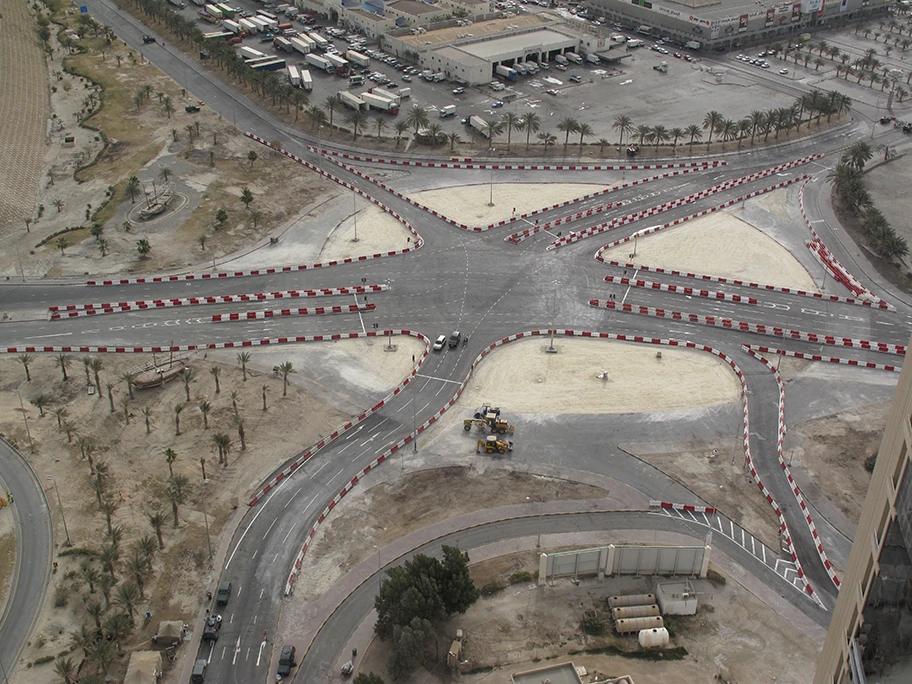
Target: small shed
x: 677, y: 598
x: 145, y: 668
x: 170, y: 633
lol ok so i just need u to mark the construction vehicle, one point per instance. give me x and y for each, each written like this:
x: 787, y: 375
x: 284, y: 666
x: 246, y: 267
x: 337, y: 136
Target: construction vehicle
x: 491, y: 444
x: 490, y: 421
x: 485, y: 410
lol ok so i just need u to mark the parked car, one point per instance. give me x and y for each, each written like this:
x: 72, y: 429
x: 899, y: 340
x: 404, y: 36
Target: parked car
x: 211, y: 628
x: 458, y: 91
x: 223, y: 593
x: 497, y: 105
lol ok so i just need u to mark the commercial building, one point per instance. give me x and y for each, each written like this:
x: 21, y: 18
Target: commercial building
x: 730, y: 23
x: 871, y: 627
x: 377, y: 17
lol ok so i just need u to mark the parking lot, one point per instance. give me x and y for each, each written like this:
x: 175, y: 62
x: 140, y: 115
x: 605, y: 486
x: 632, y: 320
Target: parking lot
x: 637, y: 87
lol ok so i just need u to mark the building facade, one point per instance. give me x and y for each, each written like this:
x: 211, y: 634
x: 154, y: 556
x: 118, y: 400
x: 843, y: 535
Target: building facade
x: 871, y: 628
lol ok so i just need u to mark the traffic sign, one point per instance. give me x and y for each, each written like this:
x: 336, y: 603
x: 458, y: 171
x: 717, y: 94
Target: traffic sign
x: 83, y: 9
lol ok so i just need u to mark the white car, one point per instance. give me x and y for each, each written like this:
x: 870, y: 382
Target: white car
x: 783, y: 71
x: 440, y: 343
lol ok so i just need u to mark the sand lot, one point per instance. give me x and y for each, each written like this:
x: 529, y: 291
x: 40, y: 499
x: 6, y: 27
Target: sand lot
x: 721, y: 245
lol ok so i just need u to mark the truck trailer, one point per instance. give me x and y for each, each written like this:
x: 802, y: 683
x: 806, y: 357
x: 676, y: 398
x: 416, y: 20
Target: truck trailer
x: 357, y: 58
x: 249, y: 53
x: 249, y: 27
x: 573, y: 57
x: 307, y: 82
x: 294, y: 76
x: 506, y: 72
x: 560, y: 59
x: 283, y: 44
x: 340, y: 64
x: 386, y: 95
x: 380, y: 103
x: 299, y: 45
x: 274, y: 64
x: 693, y: 45
x: 350, y: 100
x: 320, y: 63
x: 479, y: 125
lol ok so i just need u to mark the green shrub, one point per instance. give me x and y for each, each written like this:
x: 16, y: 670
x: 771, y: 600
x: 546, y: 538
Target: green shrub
x: 491, y: 588
x: 520, y: 577
x: 78, y: 551
x: 43, y: 659
x: 593, y: 623
x: 715, y: 577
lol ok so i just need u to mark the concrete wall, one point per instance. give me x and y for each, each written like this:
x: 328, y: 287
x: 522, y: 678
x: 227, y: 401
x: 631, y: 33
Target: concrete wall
x: 626, y: 560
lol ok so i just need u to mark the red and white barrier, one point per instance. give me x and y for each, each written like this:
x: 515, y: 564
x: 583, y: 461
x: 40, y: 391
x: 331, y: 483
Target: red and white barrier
x: 759, y: 328
x: 317, y: 311
x: 682, y: 507
x: 783, y: 527
x: 675, y: 289
x: 74, y: 310
x: 796, y: 490
x: 468, y: 164
x: 595, y: 230
x: 744, y: 283
x: 819, y: 357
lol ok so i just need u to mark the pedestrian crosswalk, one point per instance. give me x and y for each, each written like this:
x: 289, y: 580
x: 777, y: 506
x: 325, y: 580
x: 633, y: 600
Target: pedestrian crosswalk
x: 777, y: 561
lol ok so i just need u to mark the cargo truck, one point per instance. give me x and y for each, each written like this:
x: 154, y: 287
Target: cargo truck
x: 264, y: 25
x: 439, y: 77
x: 232, y: 26
x: 635, y: 43
x: 320, y: 41
x: 227, y: 10
x: 299, y: 45
x: 404, y: 93
x: 357, y: 58
x: 520, y: 68
x: 339, y: 64
x: 307, y: 82
x: 479, y: 125
x: 532, y: 68
x: 350, y: 100
x: 283, y: 44
x: 507, y: 72
x: 379, y: 103
x: 274, y: 64
x: 449, y: 110
x: 593, y: 58
x: 218, y: 35
x: 573, y: 57
x: 644, y: 30
x: 249, y: 53
x: 693, y: 45
x: 249, y: 27
x: 205, y: 16
x: 320, y: 63
x: 560, y: 59
x: 385, y: 94
x: 214, y: 11
x: 294, y: 77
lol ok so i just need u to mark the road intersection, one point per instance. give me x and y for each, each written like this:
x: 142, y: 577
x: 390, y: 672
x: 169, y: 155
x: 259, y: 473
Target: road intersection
x: 492, y: 289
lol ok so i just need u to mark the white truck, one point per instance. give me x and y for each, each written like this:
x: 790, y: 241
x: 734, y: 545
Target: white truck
x: 693, y: 45
x: 393, y: 97
x: 560, y: 59
x: 573, y: 57
x: 232, y: 26
x: 299, y: 45
x: 439, y: 77
x: 283, y: 44
x: 507, y: 72
x: 479, y: 125
x: 307, y: 82
x: 294, y: 76
x: 449, y: 110
x: 249, y: 53
x: 532, y: 68
x: 214, y: 11
x: 262, y: 24
x: 339, y: 64
x: 320, y: 63
x: 350, y: 100
x: 249, y: 27
x: 635, y: 43
x: 357, y: 58
x: 520, y: 68
x: 404, y: 93
x: 593, y: 58
x: 321, y: 42
x: 379, y: 103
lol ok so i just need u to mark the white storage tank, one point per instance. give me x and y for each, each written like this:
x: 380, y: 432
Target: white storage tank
x: 635, y: 611
x: 650, y: 638
x: 631, y: 625
x: 631, y: 600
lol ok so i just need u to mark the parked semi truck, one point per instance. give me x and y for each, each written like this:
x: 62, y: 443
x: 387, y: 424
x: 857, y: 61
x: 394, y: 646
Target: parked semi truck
x: 379, y: 103
x: 307, y: 82
x: 249, y: 27
x: 320, y: 63
x: 479, y: 125
x: 357, y: 58
x: 320, y: 41
x: 299, y: 45
x: 573, y: 57
x: 350, y: 100
x: 294, y: 76
x: 520, y: 68
x: 249, y: 53
x: 339, y: 64
x: 274, y: 64
x: 283, y: 44
x: 507, y: 72
x: 386, y: 94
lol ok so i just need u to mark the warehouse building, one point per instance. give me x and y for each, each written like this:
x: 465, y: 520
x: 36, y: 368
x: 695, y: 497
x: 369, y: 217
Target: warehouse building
x: 726, y: 24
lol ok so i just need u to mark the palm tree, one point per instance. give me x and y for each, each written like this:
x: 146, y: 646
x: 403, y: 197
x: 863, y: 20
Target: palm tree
x: 66, y: 669
x: 147, y: 417
x: 642, y: 133
x: 316, y: 114
x: 89, y: 575
x: 25, y: 360
x: 400, y: 127
x: 127, y: 595
x: 756, y: 119
x: 118, y: 626
x: 602, y: 143
x: 417, y: 118
x: 95, y: 365
x: 205, y: 407
x: 894, y: 246
x: 82, y: 638
x: 285, y: 369
x: 40, y: 402
x: 331, y: 104
x: 109, y: 556
x: 676, y: 134
x: 711, y: 123
x: 435, y: 133
x: 147, y: 545
x: 95, y: 611
x: 454, y: 139
x: 176, y: 494
x: 243, y: 358
x: 622, y: 124
x: 128, y: 378
x: 356, y: 120
x: 729, y: 131
x: 660, y: 136
x: 63, y: 362
x: 110, y: 387
x: 512, y: 122
x: 744, y: 127
x: 138, y: 566
x: 69, y: 427
x: 246, y: 197
x: 86, y: 447
x: 60, y: 413
x: 222, y: 443
x: 133, y: 187
x: 157, y: 520
x: 379, y: 124
x: 108, y: 508
x: 547, y: 139
x: 214, y: 372
x: 531, y: 123
x: 177, y: 418
x: 188, y: 376
x: 241, y: 434
x: 170, y: 458
x: 567, y: 125
x: 695, y: 133
x: 106, y: 582
x: 857, y: 155
x: 584, y: 131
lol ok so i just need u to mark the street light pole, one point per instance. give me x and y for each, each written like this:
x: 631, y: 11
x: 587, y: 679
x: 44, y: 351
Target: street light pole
x: 206, y: 518
x: 25, y: 420
x: 60, y: 504
x: 491, y: 197
x: 355, y: 213
x: 415, y: 408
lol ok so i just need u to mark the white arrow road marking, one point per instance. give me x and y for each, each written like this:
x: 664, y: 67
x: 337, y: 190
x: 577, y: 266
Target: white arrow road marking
x: 237, y: 649
x: 260, y: 654
x: 41, y: 337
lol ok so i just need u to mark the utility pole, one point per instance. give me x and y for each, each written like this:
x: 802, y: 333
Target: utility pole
x: 415, y: 408
x: 206, y: 518
x: 25, y: 419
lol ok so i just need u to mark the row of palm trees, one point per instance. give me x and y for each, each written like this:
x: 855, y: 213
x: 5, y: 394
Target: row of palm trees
x: 848, y: 183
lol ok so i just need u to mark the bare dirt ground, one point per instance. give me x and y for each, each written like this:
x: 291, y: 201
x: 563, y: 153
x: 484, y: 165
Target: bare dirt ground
x: 833, y: 450
x: 376, y: 231
x: 468, y: 204
x: 139, y: 469
x: 23, y: 115
x: 521, y: 376
x: 7, y: 552
x: 389, y: 511
x: 722, y: 245
x: 525, y: 627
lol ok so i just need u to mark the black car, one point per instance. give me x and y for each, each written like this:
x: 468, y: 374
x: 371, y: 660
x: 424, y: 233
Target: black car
x: 223, y: 593
x: 211, y: 629
x: 191, y: 109
x: 454, y: 339
x: 149, y: 39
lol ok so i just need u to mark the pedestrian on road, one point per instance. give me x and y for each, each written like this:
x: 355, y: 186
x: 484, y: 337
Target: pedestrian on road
x: 354, y: 653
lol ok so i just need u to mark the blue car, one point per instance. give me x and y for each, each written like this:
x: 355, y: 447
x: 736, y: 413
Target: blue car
x: 497, y: 105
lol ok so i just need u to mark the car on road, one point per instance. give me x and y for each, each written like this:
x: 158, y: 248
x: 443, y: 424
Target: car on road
x: 287, y: 660
x: 223, y: 593
x: 454, y: 339
x: 497, y: 105
x: 148, y: 39
x: 458, y: 91
x: 552, y: 92
x: 576, y: 79
x: 440, y: 342
x: 783, y: 71
x: 211, y: 628
x: 678, y: 55
x: 198, y: 675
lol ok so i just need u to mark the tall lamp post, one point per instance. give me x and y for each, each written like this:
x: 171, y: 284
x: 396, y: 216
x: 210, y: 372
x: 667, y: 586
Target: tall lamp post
x: 491, y: 150
x: 60, y: 504
x: 206, y: 519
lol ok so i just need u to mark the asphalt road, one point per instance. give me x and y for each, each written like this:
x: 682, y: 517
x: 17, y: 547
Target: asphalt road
x: 33, y: 554
x: 476, y: 283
